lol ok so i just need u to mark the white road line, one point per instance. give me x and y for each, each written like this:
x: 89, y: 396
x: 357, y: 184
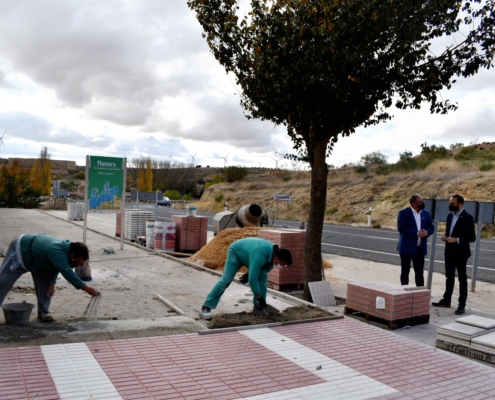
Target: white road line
x: 77, y: 374
x: 342, y: 382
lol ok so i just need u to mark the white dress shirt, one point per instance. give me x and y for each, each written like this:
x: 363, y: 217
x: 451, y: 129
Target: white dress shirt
x: 417, y: 218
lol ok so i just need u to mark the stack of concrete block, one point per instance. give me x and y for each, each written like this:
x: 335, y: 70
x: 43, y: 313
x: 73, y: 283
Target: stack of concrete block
x: 191, y: 232
x: 399, y: 303
x: 292, y: 240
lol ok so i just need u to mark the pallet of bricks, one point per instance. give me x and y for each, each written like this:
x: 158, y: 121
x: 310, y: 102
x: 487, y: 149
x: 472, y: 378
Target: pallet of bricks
x: 393, y: 305
x: 292, y: 240
x: 191, y: 232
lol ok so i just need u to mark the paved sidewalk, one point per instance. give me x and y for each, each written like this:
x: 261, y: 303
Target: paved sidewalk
x: 337, y: 359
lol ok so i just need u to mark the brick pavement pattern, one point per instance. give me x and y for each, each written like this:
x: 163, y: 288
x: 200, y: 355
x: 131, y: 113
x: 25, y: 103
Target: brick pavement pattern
x: 337, y: 359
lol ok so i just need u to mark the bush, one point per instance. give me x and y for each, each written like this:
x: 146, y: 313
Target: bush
x: 187, y: 196
x: 373, y: 158
x: 81, y: 175
x: 455, y: 146
x: 218, y: 197
x: 286, y: 178
x: 361, y: 169
x: 346, y: 217
x: 466, y: 153
x: 172, y: 194
x: 234, y: 174
x: 217, y: 179
x: 383, y: 170
x: 332, y: 210
x: 486, y: 166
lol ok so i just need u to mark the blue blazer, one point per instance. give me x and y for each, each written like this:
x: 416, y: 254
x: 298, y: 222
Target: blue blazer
x: 408, y: 230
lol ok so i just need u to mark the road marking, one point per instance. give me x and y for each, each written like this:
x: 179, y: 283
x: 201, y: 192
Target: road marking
x: 341, y: 380
x: 76, y: 373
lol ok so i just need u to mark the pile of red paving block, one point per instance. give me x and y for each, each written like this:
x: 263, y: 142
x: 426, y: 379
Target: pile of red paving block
x: 292, y: 240
x: 400, y: 302
x: 191, y: 232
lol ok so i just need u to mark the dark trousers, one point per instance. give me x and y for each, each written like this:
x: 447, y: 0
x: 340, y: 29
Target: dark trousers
x: 452, y: 263
x: 418, y: 261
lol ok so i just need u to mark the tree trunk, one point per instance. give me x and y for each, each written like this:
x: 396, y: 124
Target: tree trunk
x: 312, y: 249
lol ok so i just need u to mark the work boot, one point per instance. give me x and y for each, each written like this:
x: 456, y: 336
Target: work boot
x: 44, y: 317
x: 257, y: 309
x: 206, y: 313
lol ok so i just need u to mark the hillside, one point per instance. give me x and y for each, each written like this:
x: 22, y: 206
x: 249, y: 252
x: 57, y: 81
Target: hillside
x: 350, y: 193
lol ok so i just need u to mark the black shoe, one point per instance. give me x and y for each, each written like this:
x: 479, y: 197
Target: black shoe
x: 459, y: 311
x: 441, y: 303
x: 257, y: 309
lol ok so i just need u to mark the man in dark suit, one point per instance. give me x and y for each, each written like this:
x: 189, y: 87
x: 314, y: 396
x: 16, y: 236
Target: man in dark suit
x: 414, y: 225
x: 460, y: 232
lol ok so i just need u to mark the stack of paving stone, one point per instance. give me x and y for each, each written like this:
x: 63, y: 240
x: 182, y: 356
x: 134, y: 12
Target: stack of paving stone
x: 292, y: 240
x: 485, y: 342
x: 191, y: 232
x: 135, y: 223
x: 458, y: 333
x: 399, y: 302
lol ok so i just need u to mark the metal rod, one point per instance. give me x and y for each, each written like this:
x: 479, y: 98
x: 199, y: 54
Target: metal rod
x: 178, y: 310
x: 86, y: 200
x: 432, y: 255
x: 477, y: 248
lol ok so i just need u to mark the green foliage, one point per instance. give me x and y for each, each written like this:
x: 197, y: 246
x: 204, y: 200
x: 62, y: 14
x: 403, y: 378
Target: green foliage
x: 234, y: 174
x: 218, y: 197
x: 466, y: 153
x: 217, y: 179
x: 383, y: 170
x: 346, y: 217
x: 455, y: 146
x: 486, y: 166
x: 360, y: 169
x: 332, y: 210
x: 172, y: 194
x: 406, y: 162
x: 287, y: 178
x: 373, y: 158
x: 434, y: 151
x: 187, y: 196
x: 81, y: 175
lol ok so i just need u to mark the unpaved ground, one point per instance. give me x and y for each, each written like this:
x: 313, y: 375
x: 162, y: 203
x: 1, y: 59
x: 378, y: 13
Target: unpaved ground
x: 248, y: 318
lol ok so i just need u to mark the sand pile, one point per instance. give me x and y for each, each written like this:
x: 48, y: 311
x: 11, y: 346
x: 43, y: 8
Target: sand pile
x: 214, y: 253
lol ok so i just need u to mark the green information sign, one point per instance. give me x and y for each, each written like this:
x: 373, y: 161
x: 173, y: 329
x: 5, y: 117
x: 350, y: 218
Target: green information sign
x: 105, y: 178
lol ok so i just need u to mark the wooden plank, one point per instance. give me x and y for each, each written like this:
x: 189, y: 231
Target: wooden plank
x: 466, y: 351
x: 395, y: 324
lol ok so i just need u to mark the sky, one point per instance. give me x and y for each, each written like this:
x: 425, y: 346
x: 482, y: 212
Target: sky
x: 135, y: 78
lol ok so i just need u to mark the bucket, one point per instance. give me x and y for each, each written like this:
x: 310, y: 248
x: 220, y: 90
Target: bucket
x: 170, y: 231
x: 191, y: 211
x: 17, y: 313
x: 159, y: 234
x: 150, y: 234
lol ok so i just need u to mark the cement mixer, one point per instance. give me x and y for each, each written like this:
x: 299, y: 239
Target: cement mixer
x: 248, y: 215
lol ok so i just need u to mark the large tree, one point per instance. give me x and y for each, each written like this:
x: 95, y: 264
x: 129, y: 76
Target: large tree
x: 42, y: 172
x: 322, y: 68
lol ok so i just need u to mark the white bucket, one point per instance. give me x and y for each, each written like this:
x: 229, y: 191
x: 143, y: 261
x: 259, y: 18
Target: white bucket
x: 169, y: 238
x: 191, y: 211
x: 150, y: 234
x: 159, y: 234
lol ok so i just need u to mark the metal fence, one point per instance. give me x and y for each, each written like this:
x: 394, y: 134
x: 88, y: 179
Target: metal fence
x: 54, y: 204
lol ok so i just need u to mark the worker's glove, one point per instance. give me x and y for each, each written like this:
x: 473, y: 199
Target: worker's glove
x: 244, y: 278
x: 261, y: 302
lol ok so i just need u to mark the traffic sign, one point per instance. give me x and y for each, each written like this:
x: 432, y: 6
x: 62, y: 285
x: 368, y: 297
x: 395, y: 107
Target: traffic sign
x: 282, y: 197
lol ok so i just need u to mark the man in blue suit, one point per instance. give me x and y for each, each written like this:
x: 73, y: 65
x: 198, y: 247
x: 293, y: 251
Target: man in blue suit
x: 459, y: 233
x: 414, y: 225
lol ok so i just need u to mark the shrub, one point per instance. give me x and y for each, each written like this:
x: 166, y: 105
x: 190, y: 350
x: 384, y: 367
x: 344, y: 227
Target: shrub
x: 218, y: 197
x: 383, y: 170
x: 486, y: 166
x: 234, y: 174
x: 361, y: 169
x: 466, y: 153
x: 332, y: 210
x: 286, y: 178
x: 187, y: 196
x: 455, y: 146
x: 374, y: 157
x: 172, y: 194
x: 345, y: 217
x: 217, y: 179
x: 81, y: 175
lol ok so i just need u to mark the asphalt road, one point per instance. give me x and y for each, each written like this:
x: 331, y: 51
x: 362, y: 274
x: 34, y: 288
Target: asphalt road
x: 370, y: 244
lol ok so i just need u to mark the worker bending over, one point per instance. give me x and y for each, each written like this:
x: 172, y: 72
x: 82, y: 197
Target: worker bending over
x: 259, y: 256
x: 44, y: 257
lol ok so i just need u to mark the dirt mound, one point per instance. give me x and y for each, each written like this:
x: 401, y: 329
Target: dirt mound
x: 247, y: 319
x: 214, y: 253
